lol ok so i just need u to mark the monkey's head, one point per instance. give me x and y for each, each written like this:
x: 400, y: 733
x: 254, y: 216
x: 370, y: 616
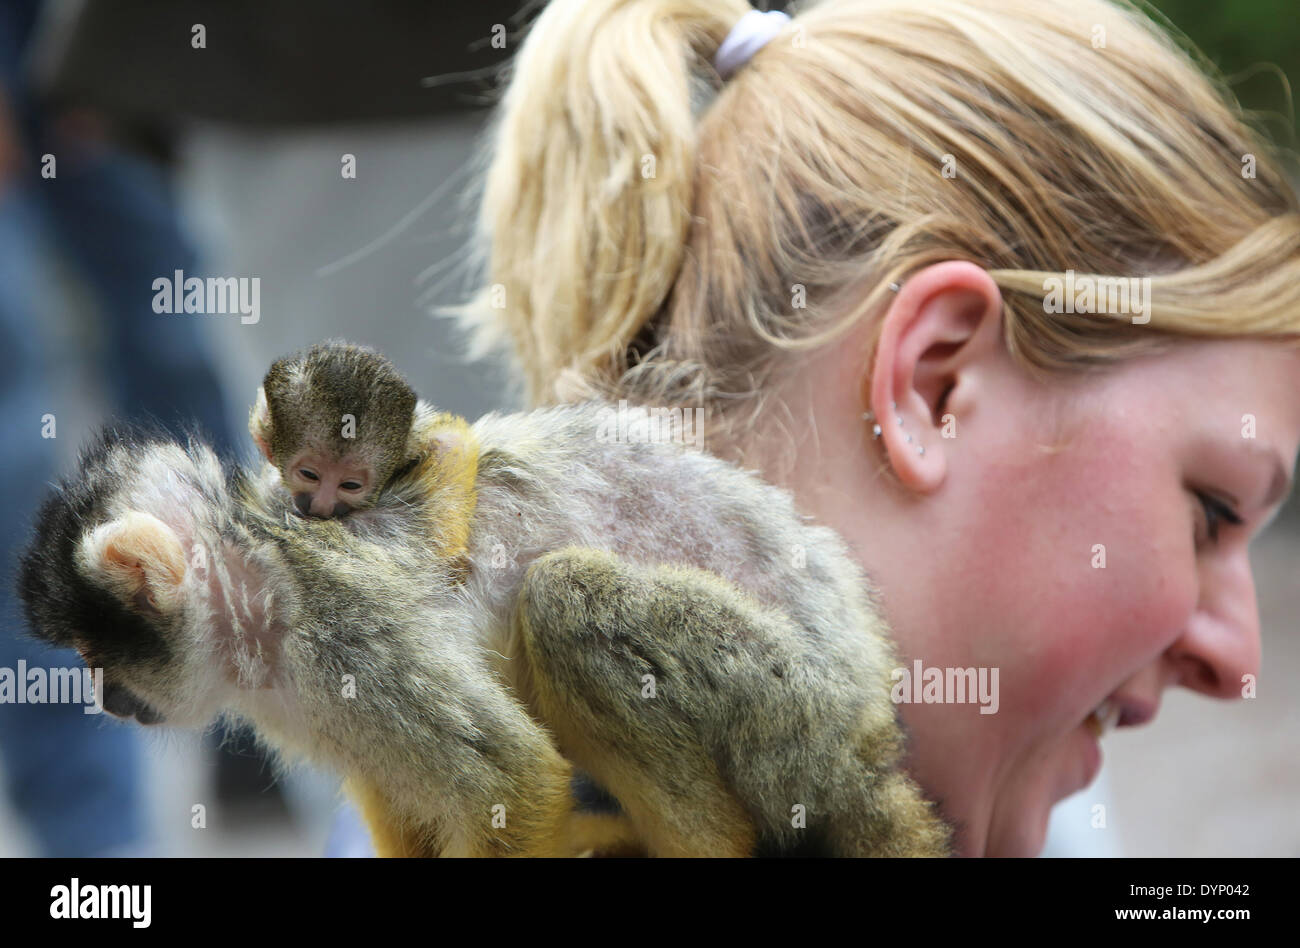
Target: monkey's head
x: 110, y: 572
x: 336, y: 422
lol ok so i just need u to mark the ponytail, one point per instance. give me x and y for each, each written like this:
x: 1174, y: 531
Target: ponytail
x: 587, y: 198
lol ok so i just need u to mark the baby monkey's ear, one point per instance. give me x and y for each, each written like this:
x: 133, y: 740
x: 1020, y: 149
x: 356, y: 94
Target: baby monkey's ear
x: 259, y: 423
x: 139, y: 558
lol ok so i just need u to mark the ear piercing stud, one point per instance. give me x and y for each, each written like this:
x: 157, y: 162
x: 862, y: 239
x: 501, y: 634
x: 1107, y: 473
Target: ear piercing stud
x: 877, y: 431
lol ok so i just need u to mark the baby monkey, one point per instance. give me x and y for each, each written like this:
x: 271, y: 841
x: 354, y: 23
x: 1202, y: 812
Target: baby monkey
x: 339, y: 424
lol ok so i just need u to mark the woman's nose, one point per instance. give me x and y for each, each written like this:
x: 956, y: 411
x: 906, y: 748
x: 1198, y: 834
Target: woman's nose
x: 1221, y: 647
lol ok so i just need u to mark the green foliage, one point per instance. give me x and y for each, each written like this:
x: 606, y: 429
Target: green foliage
x: 1250, y: 41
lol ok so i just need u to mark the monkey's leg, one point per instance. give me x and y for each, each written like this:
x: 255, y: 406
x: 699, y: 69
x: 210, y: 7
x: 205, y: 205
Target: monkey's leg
x: 533, y: 816
x: 390, y: 836
x: 588, y: 643
x: 457, y: 767
x: 564, y: 832
x: 683, y: 696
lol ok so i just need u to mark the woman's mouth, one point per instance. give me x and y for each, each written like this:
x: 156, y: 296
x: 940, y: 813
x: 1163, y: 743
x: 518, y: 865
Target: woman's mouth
x: 1115, y: 711
x: 1119, y: 711
x: 1103, y: 718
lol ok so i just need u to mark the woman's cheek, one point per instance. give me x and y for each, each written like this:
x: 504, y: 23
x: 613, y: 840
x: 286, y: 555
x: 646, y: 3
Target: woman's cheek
x: 1077, y: 589
x: 1134, y: 598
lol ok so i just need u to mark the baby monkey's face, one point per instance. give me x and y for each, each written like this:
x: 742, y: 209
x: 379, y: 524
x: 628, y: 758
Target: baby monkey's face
x: 326, y: 485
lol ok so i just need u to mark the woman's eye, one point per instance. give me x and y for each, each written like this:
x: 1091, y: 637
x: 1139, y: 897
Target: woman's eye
x: 310, y: 475
x: 1216, y: 512
x: 350, y: 485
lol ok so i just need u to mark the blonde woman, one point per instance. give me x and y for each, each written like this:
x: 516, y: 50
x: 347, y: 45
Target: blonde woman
x: 1006, y: 291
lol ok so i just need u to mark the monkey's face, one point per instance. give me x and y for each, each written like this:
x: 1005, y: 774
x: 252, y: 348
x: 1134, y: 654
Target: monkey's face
x: 326, y: 485
x: 108, y: 573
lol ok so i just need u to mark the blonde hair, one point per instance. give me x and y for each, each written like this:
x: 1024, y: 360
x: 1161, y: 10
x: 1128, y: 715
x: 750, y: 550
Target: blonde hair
x: 645, y: 229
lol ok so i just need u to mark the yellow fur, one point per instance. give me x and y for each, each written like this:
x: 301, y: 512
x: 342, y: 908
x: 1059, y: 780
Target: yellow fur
x: 387, y: 835
x: 447, y: 472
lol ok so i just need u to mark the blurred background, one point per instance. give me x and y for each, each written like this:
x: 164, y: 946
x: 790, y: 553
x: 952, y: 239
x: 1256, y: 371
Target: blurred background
x: 330, y: 155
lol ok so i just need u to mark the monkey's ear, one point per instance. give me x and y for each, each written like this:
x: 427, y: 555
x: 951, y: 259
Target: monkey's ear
x: 259, y: 423
x: 139, y: 558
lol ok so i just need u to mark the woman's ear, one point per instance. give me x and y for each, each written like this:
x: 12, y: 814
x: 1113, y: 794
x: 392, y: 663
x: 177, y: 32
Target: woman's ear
x: 938, y: 339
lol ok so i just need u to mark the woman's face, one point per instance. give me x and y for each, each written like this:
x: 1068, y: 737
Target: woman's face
x: 991, y: 555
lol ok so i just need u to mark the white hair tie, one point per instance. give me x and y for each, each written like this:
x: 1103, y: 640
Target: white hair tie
x: 750, y: 34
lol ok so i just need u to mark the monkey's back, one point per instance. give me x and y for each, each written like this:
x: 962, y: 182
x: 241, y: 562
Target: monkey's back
x: 548, y: 480
x: 552, y: 478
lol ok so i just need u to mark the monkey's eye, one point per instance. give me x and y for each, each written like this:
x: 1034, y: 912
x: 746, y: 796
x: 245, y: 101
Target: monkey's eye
x: 310, y: 475
x: 350, y: 485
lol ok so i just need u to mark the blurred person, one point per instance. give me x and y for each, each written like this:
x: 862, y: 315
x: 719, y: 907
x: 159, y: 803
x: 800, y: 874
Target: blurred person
x: 73, y: 778
x: 111, y: 215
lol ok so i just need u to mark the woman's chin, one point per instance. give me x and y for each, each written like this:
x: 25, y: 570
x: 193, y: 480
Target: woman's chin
x: 1019, y: 825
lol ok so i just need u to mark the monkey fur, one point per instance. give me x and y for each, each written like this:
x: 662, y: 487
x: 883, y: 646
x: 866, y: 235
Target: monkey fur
x: 525, y: 599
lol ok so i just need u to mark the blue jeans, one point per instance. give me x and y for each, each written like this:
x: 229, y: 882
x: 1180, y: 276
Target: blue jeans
x: 73, y: 778
x: 76, y: 778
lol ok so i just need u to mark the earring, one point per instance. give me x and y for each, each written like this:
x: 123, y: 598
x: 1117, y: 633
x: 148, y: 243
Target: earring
x: 877, y: 431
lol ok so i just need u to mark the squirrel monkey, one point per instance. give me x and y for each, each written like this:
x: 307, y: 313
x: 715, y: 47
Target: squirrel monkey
x: 528, y: 598
x: 338, y: 422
